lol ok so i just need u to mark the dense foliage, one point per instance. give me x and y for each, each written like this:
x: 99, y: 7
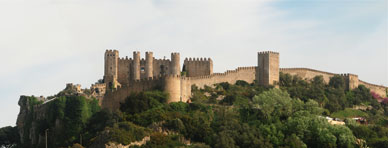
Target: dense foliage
x: 9, y: 136
x: 344, y: 104
x: 224, y: 116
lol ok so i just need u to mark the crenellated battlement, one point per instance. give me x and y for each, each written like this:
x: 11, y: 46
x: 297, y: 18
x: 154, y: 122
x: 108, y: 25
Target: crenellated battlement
x: 198, y: 66
x: 304, y: 69
x: 175, y: 54
x: 226, y: 73
x: 197, y: 59
x: 137, y: 74
x: 162, y: 60
x: 348, y: 74
x: 111, y: 52
x: 268, y: 52
x: 125, y: 59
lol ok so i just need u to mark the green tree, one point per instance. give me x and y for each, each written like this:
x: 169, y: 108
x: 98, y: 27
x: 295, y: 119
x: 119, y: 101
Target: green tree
x: 361, y: 94
x: 139, y: 102
x: 9, y: 136
x: 273, y: 104
x: 76, y: 116
x: 337, y: 82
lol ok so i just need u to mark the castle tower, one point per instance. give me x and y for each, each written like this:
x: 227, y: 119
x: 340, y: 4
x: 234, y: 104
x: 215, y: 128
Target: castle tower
x: 149, y: 64
x: 175, y: 64
x: 267, y: 72
x: 111, y: 68
x: 172, y: 85
x: 136, y: 65
x: 198, y: 67
x: 351, y: 81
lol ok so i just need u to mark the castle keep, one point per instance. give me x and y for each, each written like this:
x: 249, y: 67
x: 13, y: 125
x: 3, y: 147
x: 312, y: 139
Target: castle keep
x: 123, y: 76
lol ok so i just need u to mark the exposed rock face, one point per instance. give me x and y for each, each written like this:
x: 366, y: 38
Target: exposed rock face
x: 31, y: 111
x: 24, y: 110
x: 39, y: 115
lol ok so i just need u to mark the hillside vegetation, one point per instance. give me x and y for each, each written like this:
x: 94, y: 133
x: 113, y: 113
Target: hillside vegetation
x: 222, y: 116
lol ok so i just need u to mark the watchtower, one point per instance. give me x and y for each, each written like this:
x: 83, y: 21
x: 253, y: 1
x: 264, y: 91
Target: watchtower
x: 267, y: 72
x: 175, y: 68
x: 136, y: 65
x: 111, y: 68
x: 198, y: 67
x: 149, y: 64
x: 351, y: 81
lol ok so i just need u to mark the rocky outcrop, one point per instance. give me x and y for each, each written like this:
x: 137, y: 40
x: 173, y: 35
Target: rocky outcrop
x: 31, y: 111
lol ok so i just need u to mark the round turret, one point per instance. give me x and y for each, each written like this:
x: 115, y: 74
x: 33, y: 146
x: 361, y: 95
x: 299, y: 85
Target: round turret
x: 149, y: 64
x: 175, y: 64
x: 136, y: 65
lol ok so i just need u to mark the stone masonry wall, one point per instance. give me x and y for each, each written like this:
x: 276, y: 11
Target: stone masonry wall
x: 200, y: 73
x: 198, y: 67
x: 113, y: 98
x: 352, y: 80
x: 161, y: 66
x: 307, y: 74
x: 178, y: 87
x: 124, y: 70
x: 231, y: 76
x: 378, y: 89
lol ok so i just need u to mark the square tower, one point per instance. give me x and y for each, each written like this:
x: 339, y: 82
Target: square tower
x: 267, y: 72
x: 198, y: 67
x: 351, y: 81
x: 111, y: 68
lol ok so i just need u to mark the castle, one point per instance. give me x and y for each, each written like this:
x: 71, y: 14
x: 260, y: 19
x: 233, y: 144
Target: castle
x: 123, y: 76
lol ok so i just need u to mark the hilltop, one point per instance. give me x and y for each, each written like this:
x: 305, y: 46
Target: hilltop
x: 153, y: 103
x: 222, y: 115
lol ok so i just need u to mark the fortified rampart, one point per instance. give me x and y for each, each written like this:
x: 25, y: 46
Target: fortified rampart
x: 113, y: 97
x: 178, y: 87
x: 126, y: 75
x: 378, y: 89
x: 231, y: 76
x: 122, y: 71
x: 351, y: 80
x: 307, y: 74
x: 198, y: 67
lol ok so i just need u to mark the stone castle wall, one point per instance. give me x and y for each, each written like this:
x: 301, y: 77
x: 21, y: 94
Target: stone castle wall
x: 231, y: 76
x: 198, y: 67
x: 351, y: 79
x: 161, y: 66
x: 378, y: 89
x: 124, y: 70
x: 166, y: 75
x: 178, y: 87
x: 307, y: 74
x: 113, y: 98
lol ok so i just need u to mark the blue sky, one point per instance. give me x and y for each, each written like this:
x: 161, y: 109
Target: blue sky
x: 48, y: 43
